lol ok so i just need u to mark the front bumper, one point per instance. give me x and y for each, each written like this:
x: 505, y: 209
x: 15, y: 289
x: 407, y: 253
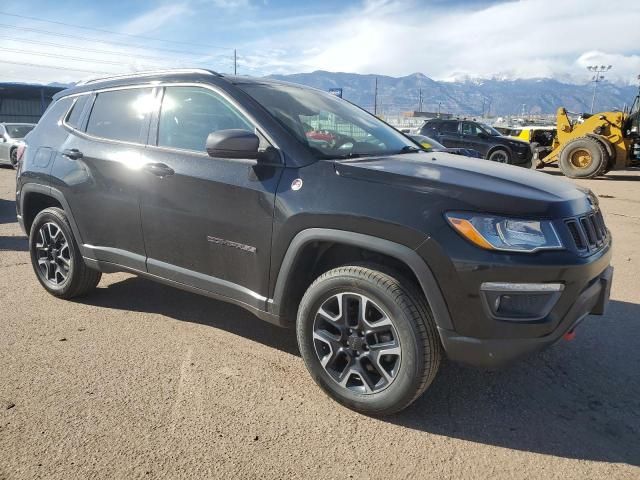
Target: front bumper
x: 493, y: 353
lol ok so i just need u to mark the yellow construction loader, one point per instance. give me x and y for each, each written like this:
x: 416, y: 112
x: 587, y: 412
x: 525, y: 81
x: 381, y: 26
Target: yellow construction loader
x: 595, y: 144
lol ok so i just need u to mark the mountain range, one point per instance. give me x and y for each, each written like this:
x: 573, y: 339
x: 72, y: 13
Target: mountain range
x: 469, y: 96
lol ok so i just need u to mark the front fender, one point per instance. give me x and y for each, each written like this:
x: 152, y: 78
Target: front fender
x: 426, y: 279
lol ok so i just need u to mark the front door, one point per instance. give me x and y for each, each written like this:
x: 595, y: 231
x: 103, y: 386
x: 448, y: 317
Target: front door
x: 207, y: 221
x: 474, y: 137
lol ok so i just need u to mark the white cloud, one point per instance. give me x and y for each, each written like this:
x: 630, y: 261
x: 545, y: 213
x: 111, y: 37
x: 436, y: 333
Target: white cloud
x: 444, y: 40
x: 156, y: 18
x: 528, y: 38
x: 231, y: 4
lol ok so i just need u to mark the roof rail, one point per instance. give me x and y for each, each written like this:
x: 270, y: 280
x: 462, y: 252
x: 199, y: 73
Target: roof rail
x: 149, y: 72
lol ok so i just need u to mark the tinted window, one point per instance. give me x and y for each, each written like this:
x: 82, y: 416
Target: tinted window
x: 189, y: 114
x: 120, y: 114
x: 448, y: 127
x: 327, y: 125
x: 471, y: 129
x: 18, y: 131
x: 73, y: 119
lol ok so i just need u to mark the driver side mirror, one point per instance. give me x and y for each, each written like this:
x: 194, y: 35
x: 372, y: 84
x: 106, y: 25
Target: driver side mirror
x: 483, y: 135
x: 233, y: 143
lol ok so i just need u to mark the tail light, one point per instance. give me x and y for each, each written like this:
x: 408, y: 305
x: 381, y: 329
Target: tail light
x: 20, y: 152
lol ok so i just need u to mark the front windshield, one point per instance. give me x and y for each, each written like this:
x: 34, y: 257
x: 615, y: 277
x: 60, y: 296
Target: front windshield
x: 490, y: 130
x: 329, y: 126
x: 18, y: 131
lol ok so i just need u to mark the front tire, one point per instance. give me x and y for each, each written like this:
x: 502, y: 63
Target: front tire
x: 56, y: 258
x: 500, y: 155
x: 583, y: 157
x: 368, y: 339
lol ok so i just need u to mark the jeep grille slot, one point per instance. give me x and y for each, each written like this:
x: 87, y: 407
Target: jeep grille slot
x: 588, y: 232
x: 574, y: 230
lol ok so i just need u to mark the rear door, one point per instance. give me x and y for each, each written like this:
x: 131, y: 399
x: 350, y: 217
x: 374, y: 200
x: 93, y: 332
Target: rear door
x: 449, y: 134
x: 100, y: 171
x: 207, y: 221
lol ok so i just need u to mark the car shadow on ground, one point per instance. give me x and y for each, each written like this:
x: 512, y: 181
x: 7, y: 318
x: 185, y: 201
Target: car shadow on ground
x: 141, y: 295
x: 7, y: 211
x: 578, y: 399
x: 18, y: 244
x: 609, y: 176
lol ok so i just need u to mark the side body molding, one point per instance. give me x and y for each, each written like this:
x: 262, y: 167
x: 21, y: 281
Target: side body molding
x: 400, y: 252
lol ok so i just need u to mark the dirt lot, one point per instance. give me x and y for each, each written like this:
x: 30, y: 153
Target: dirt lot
x: 142, y: 381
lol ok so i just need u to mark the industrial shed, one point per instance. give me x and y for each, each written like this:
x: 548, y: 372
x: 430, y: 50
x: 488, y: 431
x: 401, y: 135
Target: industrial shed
x: 21, y: 102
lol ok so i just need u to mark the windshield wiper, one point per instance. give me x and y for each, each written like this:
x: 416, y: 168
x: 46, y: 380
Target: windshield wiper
x: 353, y: 155
x: 409, y: 149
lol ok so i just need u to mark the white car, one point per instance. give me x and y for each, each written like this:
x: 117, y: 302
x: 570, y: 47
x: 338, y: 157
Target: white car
x: 11, y: 136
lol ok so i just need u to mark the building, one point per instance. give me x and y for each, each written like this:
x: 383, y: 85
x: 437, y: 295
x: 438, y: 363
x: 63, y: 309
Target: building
x: 429, y: 115
x: 22, y: 102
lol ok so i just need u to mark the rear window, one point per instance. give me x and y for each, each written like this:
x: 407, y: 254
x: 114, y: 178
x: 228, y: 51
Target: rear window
x: 73, y: 119
x: 448, y: 127
x: 121, y: 114
x: 18, y: 131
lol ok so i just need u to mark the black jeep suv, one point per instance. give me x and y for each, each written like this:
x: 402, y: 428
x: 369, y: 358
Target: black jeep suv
x: 308, y: 211
x: 481, y: 137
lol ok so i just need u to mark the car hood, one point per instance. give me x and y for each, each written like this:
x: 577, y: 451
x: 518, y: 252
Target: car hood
x: 507, y: 140
x: 472, y: 184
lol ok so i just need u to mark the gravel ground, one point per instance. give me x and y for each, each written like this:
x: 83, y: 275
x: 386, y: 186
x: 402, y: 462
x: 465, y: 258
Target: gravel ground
x: 139, y: 380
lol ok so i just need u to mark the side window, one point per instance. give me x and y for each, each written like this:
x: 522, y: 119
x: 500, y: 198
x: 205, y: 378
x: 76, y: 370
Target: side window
x: 189, y: 114
x: 121, y: 114
x: 469, y: 128
x: 73, y: 118
x: 449, y: 127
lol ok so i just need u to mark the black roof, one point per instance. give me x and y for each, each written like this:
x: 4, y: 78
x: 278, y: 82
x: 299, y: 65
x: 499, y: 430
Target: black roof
x: 177, y: 75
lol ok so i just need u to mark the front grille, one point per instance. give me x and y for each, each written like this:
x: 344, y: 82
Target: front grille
x: 588, y: 232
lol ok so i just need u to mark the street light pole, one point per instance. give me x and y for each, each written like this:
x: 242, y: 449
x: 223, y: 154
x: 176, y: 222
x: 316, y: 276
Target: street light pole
x: 375, y: 98
x: 597, y: 78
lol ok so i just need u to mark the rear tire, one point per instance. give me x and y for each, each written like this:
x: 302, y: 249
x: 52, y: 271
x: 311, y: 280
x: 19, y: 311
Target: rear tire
x: 583, y: 157
x: 13, y: 158
x: 56, y: 258
x: 396, y: 333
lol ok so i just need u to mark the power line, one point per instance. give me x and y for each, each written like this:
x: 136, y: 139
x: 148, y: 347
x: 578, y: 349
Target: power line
x: 81, y: 37
x: 112, y: 32
x: 55, y: 67
x: 81, y: 49
x: 66, y: 57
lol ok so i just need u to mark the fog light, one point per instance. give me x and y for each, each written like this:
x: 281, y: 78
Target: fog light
x: 520, y: 301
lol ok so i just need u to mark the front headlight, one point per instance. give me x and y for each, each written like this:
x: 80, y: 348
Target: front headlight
x: 506, y: 234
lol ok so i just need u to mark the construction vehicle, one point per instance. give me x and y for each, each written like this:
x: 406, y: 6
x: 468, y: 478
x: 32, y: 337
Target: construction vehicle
x: 595, y: 144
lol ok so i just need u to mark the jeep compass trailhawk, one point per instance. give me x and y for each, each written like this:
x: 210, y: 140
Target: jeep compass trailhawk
x: 308, y: 211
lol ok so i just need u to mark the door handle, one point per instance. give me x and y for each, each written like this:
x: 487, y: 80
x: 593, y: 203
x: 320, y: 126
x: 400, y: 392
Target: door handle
x: 72, y: 154
x: 159, y: 169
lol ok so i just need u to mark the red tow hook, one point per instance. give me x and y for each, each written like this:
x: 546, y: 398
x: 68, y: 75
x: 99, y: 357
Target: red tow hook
x: 570, y: 335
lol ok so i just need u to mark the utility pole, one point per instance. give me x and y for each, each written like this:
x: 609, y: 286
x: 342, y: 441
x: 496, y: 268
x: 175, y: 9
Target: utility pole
x: 597, y: 78
x: 420, y: 100
x: 235, y: 62
x: 375, y: 98
x: 439, y: 103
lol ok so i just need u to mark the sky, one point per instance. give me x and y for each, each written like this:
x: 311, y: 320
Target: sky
x: 70, y: 40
